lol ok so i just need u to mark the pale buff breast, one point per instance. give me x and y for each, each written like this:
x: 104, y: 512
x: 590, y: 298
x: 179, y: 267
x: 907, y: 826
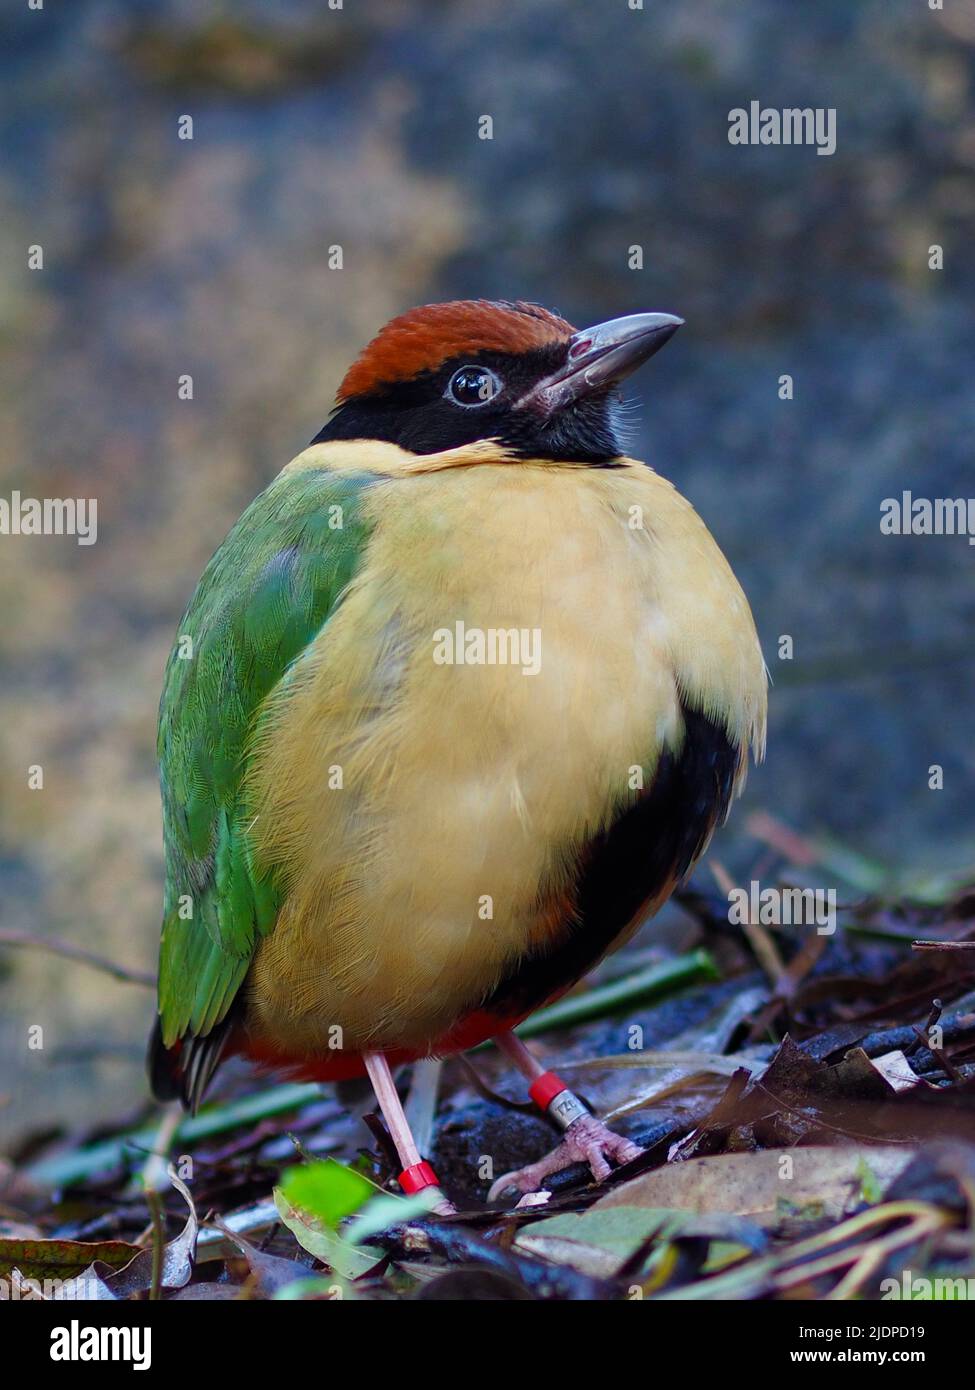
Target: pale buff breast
x: 428, y: 809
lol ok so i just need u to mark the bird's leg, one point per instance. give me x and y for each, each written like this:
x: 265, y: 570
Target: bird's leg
x: 416, y: 1174
x: 587, y: 1140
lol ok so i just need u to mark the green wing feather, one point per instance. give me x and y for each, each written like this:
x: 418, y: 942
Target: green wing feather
x: 262, y: 599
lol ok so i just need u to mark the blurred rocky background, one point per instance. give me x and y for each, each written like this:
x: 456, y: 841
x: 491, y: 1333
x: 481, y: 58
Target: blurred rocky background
x: 316, y: 127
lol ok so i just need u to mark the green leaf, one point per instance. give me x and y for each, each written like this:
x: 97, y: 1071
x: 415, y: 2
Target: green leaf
x: 312, y: 1288
x: 74, y: 1166
x: 326, y: 1245
x: 326, y: 1190
x: 598, y: 1241
x: 315, y: 1197
x: 655, y: 982
x: 386, y: 1210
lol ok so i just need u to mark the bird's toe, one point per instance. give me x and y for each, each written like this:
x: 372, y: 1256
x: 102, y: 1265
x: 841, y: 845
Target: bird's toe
x: 587, y: 1140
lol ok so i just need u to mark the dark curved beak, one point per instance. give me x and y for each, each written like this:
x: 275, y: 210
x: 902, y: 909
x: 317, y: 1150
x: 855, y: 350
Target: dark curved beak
x: 602, y: 356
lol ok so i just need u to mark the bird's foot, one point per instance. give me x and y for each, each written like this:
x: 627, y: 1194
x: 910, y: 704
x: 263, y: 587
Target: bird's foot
x: 587, y: 1140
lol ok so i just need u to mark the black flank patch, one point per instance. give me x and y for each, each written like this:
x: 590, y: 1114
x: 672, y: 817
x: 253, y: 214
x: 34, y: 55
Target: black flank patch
x: 655, y: 841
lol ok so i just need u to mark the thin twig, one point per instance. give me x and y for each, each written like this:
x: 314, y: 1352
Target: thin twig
x: 154, y: 1203
x: 952, y: 1072
x: 55, y: 946
x: 935, y: 1013
x: 943, y: 945
x: 526, y: 1107
x: 155, y: 1177
x: 765, y: 949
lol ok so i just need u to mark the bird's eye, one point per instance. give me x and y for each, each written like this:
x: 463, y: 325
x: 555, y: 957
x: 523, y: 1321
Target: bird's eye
x: 473, y: 386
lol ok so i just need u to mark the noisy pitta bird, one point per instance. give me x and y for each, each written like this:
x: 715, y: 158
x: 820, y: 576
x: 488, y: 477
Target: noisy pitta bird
x: 454, y: 708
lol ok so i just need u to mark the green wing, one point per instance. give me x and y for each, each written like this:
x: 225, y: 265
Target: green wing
x: 263, y: 597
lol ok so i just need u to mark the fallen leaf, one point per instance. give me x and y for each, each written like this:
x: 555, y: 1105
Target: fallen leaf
x: 211, y: 1293
x: 327, y: 1190
x: 325, y: 1244
x: 896, y: 1071
x: 753, y: 1183
x: 597, y: 1242
x: 271, y: 1273
x: 100, y: 1281
x: 61, y: 1259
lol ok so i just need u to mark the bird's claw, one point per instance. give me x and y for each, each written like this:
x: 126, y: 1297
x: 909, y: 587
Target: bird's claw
x: 587, y: 1140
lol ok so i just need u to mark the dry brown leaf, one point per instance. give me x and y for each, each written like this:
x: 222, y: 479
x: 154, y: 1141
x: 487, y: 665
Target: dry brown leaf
x: 754, y: 1183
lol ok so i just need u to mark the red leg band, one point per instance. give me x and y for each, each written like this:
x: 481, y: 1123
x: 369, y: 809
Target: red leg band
x: 556, y: 1100
x: 545, y: 1088
x: 416, y: 1178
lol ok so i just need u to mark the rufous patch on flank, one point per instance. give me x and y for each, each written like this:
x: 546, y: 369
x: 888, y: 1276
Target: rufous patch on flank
x: 421, y: 339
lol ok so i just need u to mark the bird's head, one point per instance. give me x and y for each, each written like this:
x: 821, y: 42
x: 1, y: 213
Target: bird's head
x: 445, y: 375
